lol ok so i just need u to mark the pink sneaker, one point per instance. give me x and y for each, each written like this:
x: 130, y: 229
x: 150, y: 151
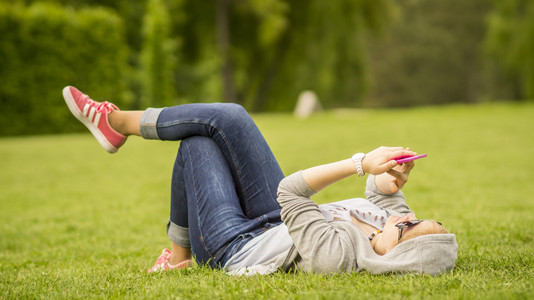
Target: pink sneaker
x: 162, y: 264
x: 94, y: 115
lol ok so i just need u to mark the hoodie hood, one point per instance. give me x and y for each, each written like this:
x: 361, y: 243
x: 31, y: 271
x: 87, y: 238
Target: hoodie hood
x: 428, y: 254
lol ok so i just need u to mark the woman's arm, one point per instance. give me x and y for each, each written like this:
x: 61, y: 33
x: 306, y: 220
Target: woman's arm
x: 375, y: 162
x: 384, y: 190
x: 324, y: 247
x: 393, y: 203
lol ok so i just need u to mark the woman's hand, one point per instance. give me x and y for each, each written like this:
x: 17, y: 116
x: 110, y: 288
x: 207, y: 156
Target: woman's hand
x: 375, y: 162
x: 381, y: 160
x: 395, y: 179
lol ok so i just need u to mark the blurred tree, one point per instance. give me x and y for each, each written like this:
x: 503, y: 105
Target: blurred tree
x: 260, y: 53
x: 263, y: 53
x: 261, y: 30
x: 279, y: 48
x: 431, y: 55
x: 45, y: 47
x: 223, y: 47
x: 158, y: 57
x: 510, y: 41
x: 323, y: 51
x: 132, y: 14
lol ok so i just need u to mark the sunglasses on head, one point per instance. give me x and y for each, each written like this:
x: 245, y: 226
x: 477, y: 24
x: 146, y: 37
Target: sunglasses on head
x: 408, y: 224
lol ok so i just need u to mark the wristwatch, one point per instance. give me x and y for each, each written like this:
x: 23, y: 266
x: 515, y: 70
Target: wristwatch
x: 357, y: 158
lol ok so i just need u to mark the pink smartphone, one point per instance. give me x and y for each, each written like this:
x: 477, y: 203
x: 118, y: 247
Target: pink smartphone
x: 404, y: 159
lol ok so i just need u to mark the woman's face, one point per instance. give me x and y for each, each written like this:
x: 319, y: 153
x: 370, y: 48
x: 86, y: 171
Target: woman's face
x: 389, y: 237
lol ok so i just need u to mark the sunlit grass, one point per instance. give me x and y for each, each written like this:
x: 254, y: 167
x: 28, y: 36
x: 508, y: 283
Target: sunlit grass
x: 77, y: 222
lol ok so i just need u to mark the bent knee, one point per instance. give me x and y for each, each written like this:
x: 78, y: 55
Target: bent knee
x: 233, y: 112
x: 232, y: 108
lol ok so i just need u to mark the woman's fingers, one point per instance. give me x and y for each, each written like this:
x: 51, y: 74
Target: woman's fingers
x: 395, y: 174
x: 382, y: 159
x: 385, y: 167
x: 400, y: 153
x: 409, y: 166
x: 393, y: 187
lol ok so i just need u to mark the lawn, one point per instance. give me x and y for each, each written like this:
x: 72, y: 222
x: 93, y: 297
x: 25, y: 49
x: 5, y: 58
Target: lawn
x: 78, y: 222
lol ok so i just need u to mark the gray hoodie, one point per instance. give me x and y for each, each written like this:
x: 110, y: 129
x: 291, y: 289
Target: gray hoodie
x: 329, y: 247
x: 326, y: 247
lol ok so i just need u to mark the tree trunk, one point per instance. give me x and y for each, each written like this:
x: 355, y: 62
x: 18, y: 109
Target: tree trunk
x: 267, y: 80
x: 223, y: 45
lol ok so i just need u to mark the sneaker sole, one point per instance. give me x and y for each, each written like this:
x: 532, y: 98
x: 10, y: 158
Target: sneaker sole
x: 75, y: 110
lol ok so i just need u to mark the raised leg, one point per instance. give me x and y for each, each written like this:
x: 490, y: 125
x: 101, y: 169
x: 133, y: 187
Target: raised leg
x: 255, y: 171
x: 126, y: 122
x: 218, y: 227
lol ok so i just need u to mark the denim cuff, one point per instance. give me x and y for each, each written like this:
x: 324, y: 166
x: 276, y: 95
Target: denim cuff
x: 148, y: 122
x: 179, y: 235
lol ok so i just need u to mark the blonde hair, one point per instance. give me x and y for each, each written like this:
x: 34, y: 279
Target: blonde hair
x: 423, y: 228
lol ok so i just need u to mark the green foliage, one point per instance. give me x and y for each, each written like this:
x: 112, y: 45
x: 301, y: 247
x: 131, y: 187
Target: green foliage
x: 278, y: 49
x: 510, y: 41
x: 321, y: 50
x: 313, y: 54
x: 158, y: 57
x: 74, y: 228
x: 272, y: 15
x: 45, y: 47
x: 429, y: 55
x: 159, y: 53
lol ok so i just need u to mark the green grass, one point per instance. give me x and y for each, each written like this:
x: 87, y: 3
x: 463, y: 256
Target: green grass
x: 77, y: 222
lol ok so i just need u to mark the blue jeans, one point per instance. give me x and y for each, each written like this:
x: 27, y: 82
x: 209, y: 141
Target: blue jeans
x: 224, y: 180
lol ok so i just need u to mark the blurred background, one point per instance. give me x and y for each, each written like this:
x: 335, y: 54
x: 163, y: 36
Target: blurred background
x: 259, y: 53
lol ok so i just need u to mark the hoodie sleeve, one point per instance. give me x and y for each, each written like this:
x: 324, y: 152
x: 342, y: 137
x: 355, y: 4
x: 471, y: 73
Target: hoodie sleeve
x: 392, y: 202
x: 327, y: 248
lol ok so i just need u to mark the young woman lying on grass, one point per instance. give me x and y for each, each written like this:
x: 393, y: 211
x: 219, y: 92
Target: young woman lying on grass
x: 232, y: 208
